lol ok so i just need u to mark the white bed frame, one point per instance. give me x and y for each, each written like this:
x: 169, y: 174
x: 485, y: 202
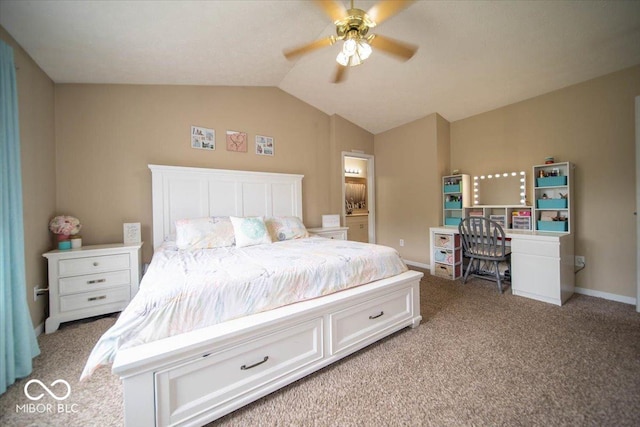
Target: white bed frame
x: 194, y: 378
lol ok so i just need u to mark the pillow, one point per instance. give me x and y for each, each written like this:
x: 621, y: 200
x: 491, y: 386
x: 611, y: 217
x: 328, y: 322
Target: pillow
x: 250, y: 231
x: 204, y: 233
x: 285, y: 228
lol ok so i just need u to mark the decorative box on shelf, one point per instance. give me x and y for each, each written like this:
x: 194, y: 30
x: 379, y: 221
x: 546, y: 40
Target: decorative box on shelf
x: 551, y: 203
x: 551, y: 181
x: 452, y: 188
x: 453, y: 205
x: 452, y: 221
x: 561, y: 226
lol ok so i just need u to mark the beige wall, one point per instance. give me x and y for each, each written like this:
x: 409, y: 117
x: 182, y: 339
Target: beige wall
x: 107, y: 134
x: 409, y: 162
x: 591, y: 125
x: 37, y: 147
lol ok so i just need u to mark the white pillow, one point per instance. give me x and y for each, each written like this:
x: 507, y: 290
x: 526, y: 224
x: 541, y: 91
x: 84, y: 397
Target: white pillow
x: 204, y: 233
x: 250, y: 231
x: 285, y: 228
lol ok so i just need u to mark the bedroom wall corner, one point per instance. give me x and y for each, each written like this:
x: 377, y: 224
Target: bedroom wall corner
x: 37, y: 146
x: 408, y: 167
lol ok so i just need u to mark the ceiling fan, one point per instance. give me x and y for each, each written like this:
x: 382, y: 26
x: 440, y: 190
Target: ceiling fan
x: 352, y: 26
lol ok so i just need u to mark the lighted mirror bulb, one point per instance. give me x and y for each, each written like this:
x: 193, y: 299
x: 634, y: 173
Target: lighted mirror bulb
x: 475, y: 190
x: 522, y: 194
x: 489, y: 176
x: 522, y: 173
x: 521, y: 179
x: 513, y: 174
x: 482, y: 177
x: 364, y: 50
x: 505, y: 174
x: 349, y: 47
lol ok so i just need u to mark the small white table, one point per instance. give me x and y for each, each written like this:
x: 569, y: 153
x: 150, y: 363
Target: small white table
x: 90, y: 281
x: 339, y: 233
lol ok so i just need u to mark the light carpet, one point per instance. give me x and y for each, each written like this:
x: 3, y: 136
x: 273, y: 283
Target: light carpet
x: 479, y: 358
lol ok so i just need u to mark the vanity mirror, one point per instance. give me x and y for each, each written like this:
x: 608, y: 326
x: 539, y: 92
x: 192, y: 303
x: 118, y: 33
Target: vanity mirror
x: 500, y: 189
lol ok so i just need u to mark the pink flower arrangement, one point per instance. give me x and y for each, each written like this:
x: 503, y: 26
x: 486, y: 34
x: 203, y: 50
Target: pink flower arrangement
x: 64, y: 224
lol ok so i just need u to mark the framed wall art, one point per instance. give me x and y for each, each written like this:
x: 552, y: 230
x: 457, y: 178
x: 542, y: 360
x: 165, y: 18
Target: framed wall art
x: 264, y: 145
x: 236, y: 141
x: 203, y: 138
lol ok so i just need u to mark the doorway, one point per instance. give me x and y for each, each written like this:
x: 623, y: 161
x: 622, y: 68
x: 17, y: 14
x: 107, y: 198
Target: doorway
x: 637, y: 203
x: 358, y: 195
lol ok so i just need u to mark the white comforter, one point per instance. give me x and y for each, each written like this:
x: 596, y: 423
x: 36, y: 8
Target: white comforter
x: 185, y: 290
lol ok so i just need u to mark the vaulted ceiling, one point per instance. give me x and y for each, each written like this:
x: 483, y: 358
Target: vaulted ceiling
x: 473, y: 56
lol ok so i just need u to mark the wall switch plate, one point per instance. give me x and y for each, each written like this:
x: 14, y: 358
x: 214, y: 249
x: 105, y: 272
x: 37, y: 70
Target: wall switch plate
x: 401, y: 242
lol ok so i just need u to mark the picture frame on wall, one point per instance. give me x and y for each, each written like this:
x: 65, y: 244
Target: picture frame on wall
x: 203, y: 138
x: 236, y: 141
x: 265, y: 146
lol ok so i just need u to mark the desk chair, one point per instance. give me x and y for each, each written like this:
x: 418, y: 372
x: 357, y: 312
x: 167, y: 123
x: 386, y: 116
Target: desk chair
x: 483, y: 241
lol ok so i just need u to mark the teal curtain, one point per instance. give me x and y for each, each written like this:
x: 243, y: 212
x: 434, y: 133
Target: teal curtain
x: 18, y: 345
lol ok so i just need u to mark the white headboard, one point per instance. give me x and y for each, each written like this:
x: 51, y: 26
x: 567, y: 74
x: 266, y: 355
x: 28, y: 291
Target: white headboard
x: 184, y: 192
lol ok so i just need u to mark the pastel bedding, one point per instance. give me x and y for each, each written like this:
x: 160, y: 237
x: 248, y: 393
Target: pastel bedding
x: 189, y: 289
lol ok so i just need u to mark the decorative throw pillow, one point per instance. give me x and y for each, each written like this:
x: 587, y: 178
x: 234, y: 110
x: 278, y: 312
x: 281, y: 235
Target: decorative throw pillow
x: 286, y: 228
x: 204, y: 233
x: 250, y: 231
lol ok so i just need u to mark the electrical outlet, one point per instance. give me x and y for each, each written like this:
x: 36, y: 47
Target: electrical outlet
x: 580, y: 262
x: 401, y: 242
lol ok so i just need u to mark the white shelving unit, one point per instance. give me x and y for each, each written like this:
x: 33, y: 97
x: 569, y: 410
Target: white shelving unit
x: 456, y: 195
x: 446, y: 253
x: 552, y: 197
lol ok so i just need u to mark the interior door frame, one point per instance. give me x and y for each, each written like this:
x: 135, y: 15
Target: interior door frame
x: 637, y: 203
x: 371, y: 193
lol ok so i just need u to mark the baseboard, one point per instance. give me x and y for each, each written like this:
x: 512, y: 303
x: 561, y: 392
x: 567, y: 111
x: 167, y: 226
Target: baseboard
x: 417, y: 264
x: 39, y: 329
x: 605, y: 295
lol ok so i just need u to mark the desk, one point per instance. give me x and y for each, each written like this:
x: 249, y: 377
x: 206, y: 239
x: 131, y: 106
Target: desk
x: 542, y: 263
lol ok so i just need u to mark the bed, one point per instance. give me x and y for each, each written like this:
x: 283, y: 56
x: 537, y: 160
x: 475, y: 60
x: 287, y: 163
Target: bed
x: 191, y: 377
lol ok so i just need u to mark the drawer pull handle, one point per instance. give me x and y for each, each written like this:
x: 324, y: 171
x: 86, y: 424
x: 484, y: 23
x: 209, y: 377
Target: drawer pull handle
x: 245, y: 367
x: 376, y: 316
x: 97, y: 298
x: 91, y: 282
x: 96, y: 263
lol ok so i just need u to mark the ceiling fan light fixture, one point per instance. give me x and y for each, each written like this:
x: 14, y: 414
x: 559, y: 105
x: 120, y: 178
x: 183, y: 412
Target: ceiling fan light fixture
x: 363, y: 50
x: 349, y: 47
x: 342, y: 59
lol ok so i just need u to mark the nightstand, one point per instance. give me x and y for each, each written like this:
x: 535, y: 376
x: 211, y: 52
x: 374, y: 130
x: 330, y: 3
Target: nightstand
x: 91, y: 281
x: 339, y: 233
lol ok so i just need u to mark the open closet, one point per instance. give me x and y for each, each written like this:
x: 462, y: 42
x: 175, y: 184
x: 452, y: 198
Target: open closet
x: 356, y: 198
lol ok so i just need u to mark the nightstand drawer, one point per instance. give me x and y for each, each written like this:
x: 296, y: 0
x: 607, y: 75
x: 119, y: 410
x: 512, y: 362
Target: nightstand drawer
x: 89, y: 265
x: 93, y: 299
x: 94, y: 282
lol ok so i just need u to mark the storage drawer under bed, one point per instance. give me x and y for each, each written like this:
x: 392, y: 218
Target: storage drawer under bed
x: 355, y: 324
x: 233, y: 372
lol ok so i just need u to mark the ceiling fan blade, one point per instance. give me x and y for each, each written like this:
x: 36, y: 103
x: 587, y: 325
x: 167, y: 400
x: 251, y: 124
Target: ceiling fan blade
x: 334, y: 9
x: 309, y: 47
x: 402, y: 50
x: 341, y: 74
x: 385, y: 9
